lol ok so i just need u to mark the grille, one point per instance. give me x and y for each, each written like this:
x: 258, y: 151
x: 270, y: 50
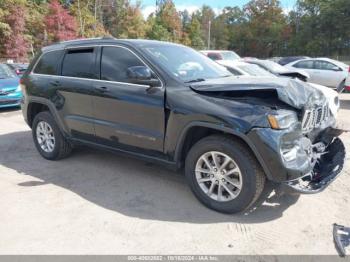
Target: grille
x: 314, y: 117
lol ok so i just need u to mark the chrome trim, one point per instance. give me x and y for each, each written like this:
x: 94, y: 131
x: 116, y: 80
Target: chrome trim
x: 91, y: 79
x: 92, y: 46
x: 314, y: 117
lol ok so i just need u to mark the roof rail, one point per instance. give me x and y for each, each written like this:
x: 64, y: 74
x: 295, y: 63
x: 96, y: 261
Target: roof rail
x: 87, y: 39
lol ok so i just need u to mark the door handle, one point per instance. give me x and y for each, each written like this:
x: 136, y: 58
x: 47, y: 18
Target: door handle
x: 101, y: 89
x: 55, y: 83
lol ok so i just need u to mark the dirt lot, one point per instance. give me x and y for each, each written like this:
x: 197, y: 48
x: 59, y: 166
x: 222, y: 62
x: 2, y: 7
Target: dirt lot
x: 99, y: 203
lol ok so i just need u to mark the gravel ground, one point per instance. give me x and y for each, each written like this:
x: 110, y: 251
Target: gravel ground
x: 99, y: 203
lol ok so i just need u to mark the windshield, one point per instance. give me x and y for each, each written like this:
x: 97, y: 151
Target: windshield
x: 6, y: 72
x: 186, y: 64
x: 254, y: 70
x: 229, y: 55
x: 274, y: 67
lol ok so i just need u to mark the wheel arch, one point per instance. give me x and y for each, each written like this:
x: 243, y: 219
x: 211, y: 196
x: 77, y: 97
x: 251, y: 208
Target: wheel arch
x: 37, y: 105
x: 203, y: 129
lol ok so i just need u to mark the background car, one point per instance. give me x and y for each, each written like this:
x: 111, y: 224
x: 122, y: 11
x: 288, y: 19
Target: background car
x: 10, y: 90
x: 279, y: 70
x: 347, y: 83
x: 18, y: 68
x: 323, y: 71
x: 290, y: 59
x: 220, y: 55
x: 240, y: 68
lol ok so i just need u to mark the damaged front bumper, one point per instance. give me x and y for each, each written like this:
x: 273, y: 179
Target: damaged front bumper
x: 326, y: 170
x: 309, y: 165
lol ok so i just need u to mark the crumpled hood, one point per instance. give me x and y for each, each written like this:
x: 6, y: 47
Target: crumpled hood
x: 9, y: 83
x: 293, y: 92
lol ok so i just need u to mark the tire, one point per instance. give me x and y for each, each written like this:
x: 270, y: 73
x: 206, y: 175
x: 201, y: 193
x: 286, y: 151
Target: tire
x: 250, y: 174
x: 59, y: 147
x: 341, y: 87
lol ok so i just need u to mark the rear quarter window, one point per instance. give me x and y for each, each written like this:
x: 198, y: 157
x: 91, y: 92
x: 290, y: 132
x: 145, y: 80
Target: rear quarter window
x: 48, y: 63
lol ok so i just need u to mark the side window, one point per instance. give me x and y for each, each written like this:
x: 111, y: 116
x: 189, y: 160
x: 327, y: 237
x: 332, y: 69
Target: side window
x: 304, y: 64
x: 79, y: 63
x: 214, y: 56
x: 323, y: 65
x: 233, y: 71
x: 48, y: 63
x: 115, y: 62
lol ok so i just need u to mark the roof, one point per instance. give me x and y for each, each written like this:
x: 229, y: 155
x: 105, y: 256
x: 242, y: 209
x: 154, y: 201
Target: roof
x: 214, y: 51
x: 336, y: 62
x: 105, y: 40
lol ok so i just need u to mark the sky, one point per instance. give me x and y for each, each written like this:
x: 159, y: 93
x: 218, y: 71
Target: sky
x: 148, y: 6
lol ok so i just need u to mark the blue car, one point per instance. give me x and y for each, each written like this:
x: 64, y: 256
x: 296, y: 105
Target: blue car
x: 10, y: 90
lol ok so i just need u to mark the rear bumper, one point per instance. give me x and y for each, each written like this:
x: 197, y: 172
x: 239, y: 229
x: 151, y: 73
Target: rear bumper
x: 325, y: 172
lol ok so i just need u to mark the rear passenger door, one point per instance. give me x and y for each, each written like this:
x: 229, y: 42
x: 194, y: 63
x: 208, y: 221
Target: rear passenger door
x: 74, y: 85
x: 128, y: 116
x: 308, y: 66
x: 330, y: 74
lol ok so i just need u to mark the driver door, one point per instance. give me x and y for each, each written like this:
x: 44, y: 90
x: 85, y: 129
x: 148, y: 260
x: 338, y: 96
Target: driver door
x: 128, y: 116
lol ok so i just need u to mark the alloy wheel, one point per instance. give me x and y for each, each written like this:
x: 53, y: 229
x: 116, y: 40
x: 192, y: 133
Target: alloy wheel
x: 45, y: 137
x: 218, y: 176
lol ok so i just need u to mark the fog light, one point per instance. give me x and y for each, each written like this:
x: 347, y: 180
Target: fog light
x: 290, y: 154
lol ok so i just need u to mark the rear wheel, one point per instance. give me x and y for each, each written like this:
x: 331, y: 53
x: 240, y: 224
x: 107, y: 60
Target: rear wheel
x: 48, y: 138
x: 223, y: 174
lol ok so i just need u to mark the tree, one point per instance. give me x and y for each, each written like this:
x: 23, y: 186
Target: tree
x: 88, y: 25
x: 194, y: 33
x: 265, y: 25
x: 35, y: 28
x: 157, y: 31
x: 14, y: 42
x: 60, y: 25
x: 205, y: 16
x: 133, y: 24
x: 169, y: 18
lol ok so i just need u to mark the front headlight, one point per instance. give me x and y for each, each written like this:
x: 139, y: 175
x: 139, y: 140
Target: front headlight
x: 283, y: 119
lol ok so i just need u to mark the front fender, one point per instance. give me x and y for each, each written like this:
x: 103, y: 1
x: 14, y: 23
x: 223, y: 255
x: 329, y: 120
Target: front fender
x: 243, y: 137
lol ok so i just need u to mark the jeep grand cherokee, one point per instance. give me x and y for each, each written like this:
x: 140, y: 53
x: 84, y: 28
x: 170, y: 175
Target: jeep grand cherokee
x: 168, y: 103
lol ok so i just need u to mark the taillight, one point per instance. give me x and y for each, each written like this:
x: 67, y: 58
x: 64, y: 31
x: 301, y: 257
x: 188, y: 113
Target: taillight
x: 21, y: 81
x: 18, y: 72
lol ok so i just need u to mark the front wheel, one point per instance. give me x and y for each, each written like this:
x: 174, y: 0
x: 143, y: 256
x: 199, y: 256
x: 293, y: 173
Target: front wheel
x: 223, y: 174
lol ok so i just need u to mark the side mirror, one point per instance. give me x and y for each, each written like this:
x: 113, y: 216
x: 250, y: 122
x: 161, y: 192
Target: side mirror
x: 142, y: 75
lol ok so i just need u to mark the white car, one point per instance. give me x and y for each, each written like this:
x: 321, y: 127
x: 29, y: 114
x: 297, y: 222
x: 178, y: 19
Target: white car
x: 239, y: 67
x: 323, y: 71
x: 347, y: 83
x: 243, y: 69
x: 220, y: 55
x: 278, y: 70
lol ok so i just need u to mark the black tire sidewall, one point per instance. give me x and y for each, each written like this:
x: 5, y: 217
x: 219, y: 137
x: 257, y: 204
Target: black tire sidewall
x: 47, y: 117
x: 248, y: 191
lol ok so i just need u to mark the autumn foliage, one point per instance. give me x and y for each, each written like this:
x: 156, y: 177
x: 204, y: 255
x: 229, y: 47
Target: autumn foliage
x: 60, y: 25
x: 15, y: 45
x: 259, y: 28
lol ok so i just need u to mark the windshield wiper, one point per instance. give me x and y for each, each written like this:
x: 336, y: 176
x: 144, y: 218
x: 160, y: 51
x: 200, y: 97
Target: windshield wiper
x: 195, y: 80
